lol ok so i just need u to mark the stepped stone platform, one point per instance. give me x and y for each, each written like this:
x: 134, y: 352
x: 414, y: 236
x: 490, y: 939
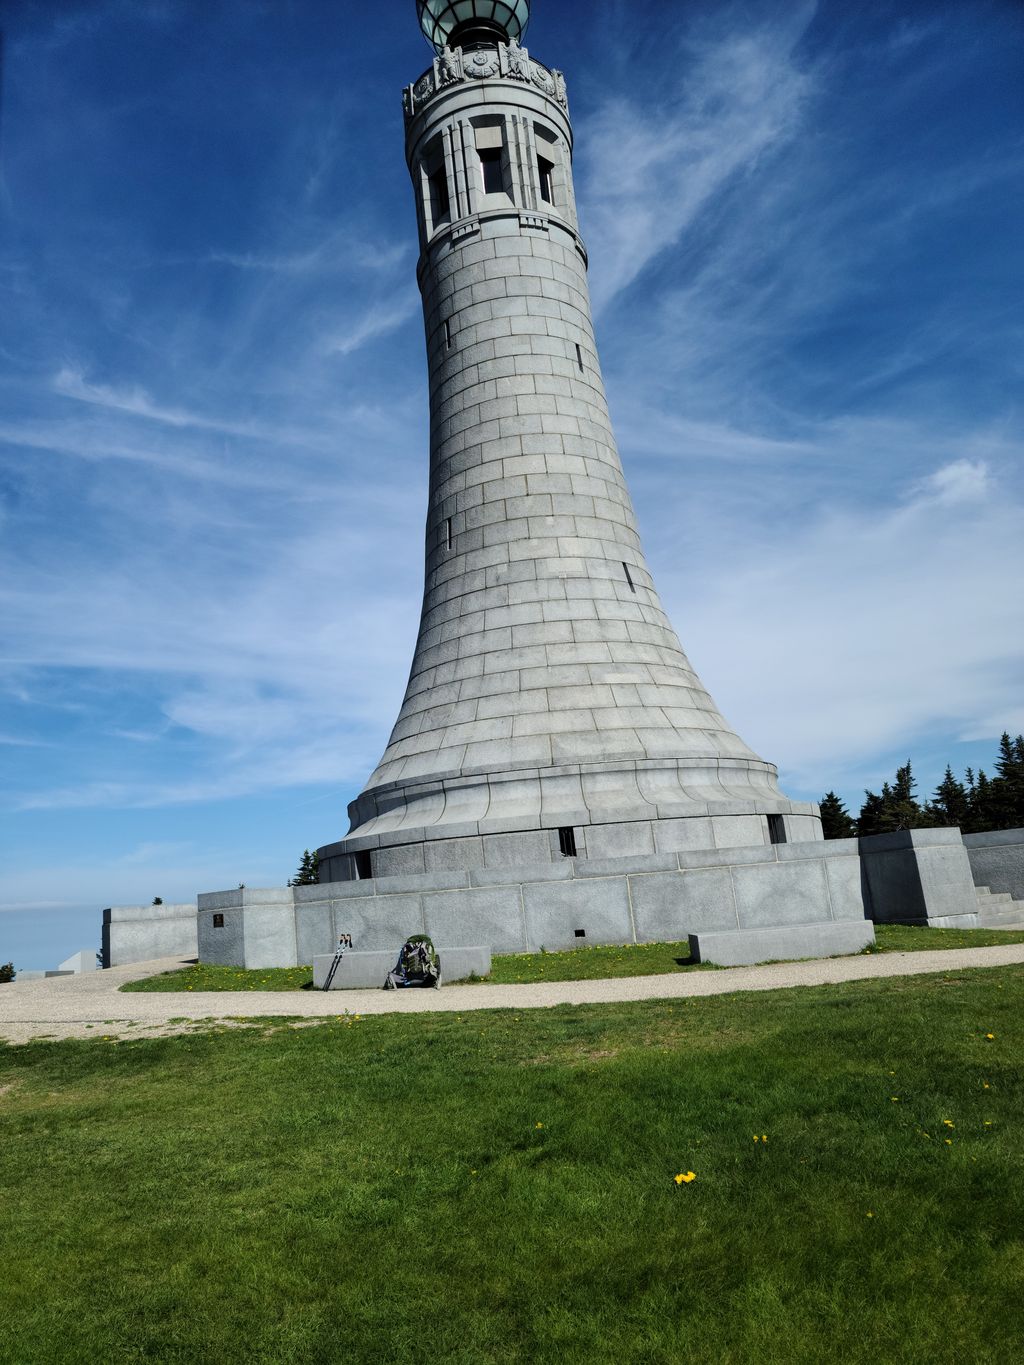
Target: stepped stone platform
x: 999, y: 910
x: 823, y: 886
x: 997, y: 861
x: 734, y: 893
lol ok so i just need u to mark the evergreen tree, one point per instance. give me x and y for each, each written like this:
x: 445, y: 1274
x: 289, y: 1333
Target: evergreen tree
x: 871, y: 812
x: 895, y: 809
x: 309, y: 871
x: 903, y: 811
x: 949, y: 805
x: 836, y: 821
x: 7, y: 973
x: 1008, y: 784
x: 978, y: 803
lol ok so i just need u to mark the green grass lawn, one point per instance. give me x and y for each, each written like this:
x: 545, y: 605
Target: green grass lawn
x: 909, y: 938
x: 579, y: 964
x: 203, y: 977
x: 501, y: 1187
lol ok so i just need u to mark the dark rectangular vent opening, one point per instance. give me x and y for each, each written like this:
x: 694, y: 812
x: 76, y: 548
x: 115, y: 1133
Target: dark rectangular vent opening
x: 448, y: 533
x: 579, y: 358
x: 364, y: 867
x: 580, y: 933
x: 218, y: 921
x: 440, y: 206
x: 629, y: 576
x: 776, y: 829
x: 490, y: 170
x: 567, y: 841
x: 447, y: 334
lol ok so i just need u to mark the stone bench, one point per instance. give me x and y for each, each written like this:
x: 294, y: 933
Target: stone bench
x: 789, y: 942
x: 357, y: 971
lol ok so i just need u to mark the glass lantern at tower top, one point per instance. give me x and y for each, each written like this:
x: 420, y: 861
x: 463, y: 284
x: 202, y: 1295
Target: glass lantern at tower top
x: 465, y: 23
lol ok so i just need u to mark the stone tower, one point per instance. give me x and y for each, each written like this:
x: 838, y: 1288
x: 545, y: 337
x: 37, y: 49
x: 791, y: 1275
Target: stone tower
x: 550, y: 709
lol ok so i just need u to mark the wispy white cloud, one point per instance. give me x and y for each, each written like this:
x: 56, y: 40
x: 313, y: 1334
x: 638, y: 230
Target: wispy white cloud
x: 341, y: 252
x: 376, y: 322
x: 832, y: 638
x: 649, y: 169
x: 961, y: 481
x: 70, y: 382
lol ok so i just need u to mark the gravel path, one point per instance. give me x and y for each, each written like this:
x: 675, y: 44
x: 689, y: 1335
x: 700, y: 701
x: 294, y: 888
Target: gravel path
x: 90, y: 1005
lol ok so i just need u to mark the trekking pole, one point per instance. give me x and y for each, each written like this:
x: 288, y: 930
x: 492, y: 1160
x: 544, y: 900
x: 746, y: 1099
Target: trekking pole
x: 344, y: 942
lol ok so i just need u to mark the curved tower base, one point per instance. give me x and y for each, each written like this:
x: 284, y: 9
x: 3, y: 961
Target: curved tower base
x: 588, y: 811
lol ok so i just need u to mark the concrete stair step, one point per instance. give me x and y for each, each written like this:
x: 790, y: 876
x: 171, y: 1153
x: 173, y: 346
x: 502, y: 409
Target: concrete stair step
x: 1010, y: 918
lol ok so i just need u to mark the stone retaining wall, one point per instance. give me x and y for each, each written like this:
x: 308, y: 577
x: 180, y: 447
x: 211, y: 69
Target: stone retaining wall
x: 555, y: 906
x: 997, y: 860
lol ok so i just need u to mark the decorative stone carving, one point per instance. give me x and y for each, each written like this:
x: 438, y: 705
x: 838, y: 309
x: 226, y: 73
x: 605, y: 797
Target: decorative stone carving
x: 542, y: 77
x: 448, y: 66
x: 510, y: 61
x: 481, y: 63
x: 517, y: 61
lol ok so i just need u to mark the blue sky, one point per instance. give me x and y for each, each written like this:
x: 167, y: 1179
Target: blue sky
x: 806, y: 263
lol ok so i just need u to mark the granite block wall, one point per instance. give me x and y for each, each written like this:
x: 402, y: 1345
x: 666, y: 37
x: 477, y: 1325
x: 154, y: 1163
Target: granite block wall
x: 919, y: 876
x: 654, y: 897
x: 997, y: 860
x: 140, y: 933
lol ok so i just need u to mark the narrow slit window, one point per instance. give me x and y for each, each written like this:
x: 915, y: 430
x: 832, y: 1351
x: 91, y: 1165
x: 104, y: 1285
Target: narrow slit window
x: 776, y: 829
x: 579, y: 358
x: 567, y: 841
x: 364, y: 867
x: 440, y: 204
x: 629, y: 576
x: 447, y: 334
x: 545, y: 174
x: 490, y: 170
x: 448, y: 533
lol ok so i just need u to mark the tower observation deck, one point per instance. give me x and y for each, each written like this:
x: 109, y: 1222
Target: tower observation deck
x: 550, y: 709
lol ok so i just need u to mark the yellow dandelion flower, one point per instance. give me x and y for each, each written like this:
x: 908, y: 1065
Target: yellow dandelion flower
x: 949, y: 1123
x: 764, y: 1137
x: 895, y: 1099
x: 985, y: 1085
x: 684, y: 1177
x: 870, y: 1214
x: 990, y: 1035
x: 948, y: 1141
x: 538, y: 1125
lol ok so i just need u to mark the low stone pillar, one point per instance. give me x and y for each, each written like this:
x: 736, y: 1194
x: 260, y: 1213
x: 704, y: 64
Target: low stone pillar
x: 919, y: 876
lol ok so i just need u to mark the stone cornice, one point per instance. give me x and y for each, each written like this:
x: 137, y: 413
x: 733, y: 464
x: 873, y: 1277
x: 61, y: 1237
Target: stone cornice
x: 450, y: 234
x: 505, y: 61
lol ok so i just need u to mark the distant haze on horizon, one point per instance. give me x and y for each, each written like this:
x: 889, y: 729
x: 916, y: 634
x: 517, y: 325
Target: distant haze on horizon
x: 804, y: 235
